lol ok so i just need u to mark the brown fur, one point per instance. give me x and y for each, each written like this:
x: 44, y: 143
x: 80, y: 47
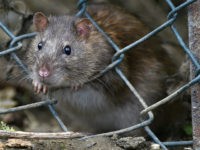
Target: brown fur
x: 106, y: 103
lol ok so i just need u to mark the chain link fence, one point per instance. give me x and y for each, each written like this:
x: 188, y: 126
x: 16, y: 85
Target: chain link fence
x: 16, y: 45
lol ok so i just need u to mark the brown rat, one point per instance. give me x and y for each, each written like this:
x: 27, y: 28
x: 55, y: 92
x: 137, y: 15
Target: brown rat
x: 68, y: 51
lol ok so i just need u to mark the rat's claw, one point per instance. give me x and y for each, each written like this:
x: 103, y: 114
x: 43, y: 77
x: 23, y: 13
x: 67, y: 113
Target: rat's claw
x: 76, y: 87
x: 35, y: 85
x: 38, y: 87
x: 45, y: 89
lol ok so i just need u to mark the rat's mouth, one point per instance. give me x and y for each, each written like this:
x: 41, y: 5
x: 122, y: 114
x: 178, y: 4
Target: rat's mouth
x: 45, y: 81
x: 53, y: 82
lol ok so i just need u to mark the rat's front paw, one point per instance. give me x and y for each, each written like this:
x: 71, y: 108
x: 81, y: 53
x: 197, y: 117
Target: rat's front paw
x: 39, y: 87
x: 76, y: 87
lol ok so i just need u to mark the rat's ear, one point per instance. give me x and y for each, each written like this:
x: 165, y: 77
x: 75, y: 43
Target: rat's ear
x: 83, y: 27
x: 40, y: 21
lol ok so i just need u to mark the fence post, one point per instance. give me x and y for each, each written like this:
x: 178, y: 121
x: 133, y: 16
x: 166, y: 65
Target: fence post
x: 194, y: 44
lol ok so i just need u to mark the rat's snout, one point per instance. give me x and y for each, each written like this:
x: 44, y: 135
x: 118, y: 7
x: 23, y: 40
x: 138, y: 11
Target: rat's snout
x: 44, y: 71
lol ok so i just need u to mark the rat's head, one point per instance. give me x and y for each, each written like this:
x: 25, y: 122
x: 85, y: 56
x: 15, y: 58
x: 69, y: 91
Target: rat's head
x: 66, y: 51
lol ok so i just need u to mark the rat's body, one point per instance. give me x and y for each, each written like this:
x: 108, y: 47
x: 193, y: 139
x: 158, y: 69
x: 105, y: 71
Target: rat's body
x: 69, y: 51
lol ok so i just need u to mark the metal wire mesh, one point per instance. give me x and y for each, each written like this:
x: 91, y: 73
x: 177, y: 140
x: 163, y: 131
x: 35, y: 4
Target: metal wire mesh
x: 16, y: 44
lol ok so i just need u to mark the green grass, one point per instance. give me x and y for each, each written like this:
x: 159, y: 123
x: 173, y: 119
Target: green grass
x: 5, y: 127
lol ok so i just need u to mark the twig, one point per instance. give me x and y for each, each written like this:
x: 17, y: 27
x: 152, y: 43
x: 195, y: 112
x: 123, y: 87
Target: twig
x: 39, y: 135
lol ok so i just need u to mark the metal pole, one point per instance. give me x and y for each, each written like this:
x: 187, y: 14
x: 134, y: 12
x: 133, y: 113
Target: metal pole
x: 194, y: 44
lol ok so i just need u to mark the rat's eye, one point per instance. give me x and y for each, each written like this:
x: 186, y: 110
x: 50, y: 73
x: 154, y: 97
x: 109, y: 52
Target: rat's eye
x: 40, y: 45
x: 67, y: 50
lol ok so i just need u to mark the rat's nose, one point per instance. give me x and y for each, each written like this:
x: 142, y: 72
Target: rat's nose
x: 44, y: 72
